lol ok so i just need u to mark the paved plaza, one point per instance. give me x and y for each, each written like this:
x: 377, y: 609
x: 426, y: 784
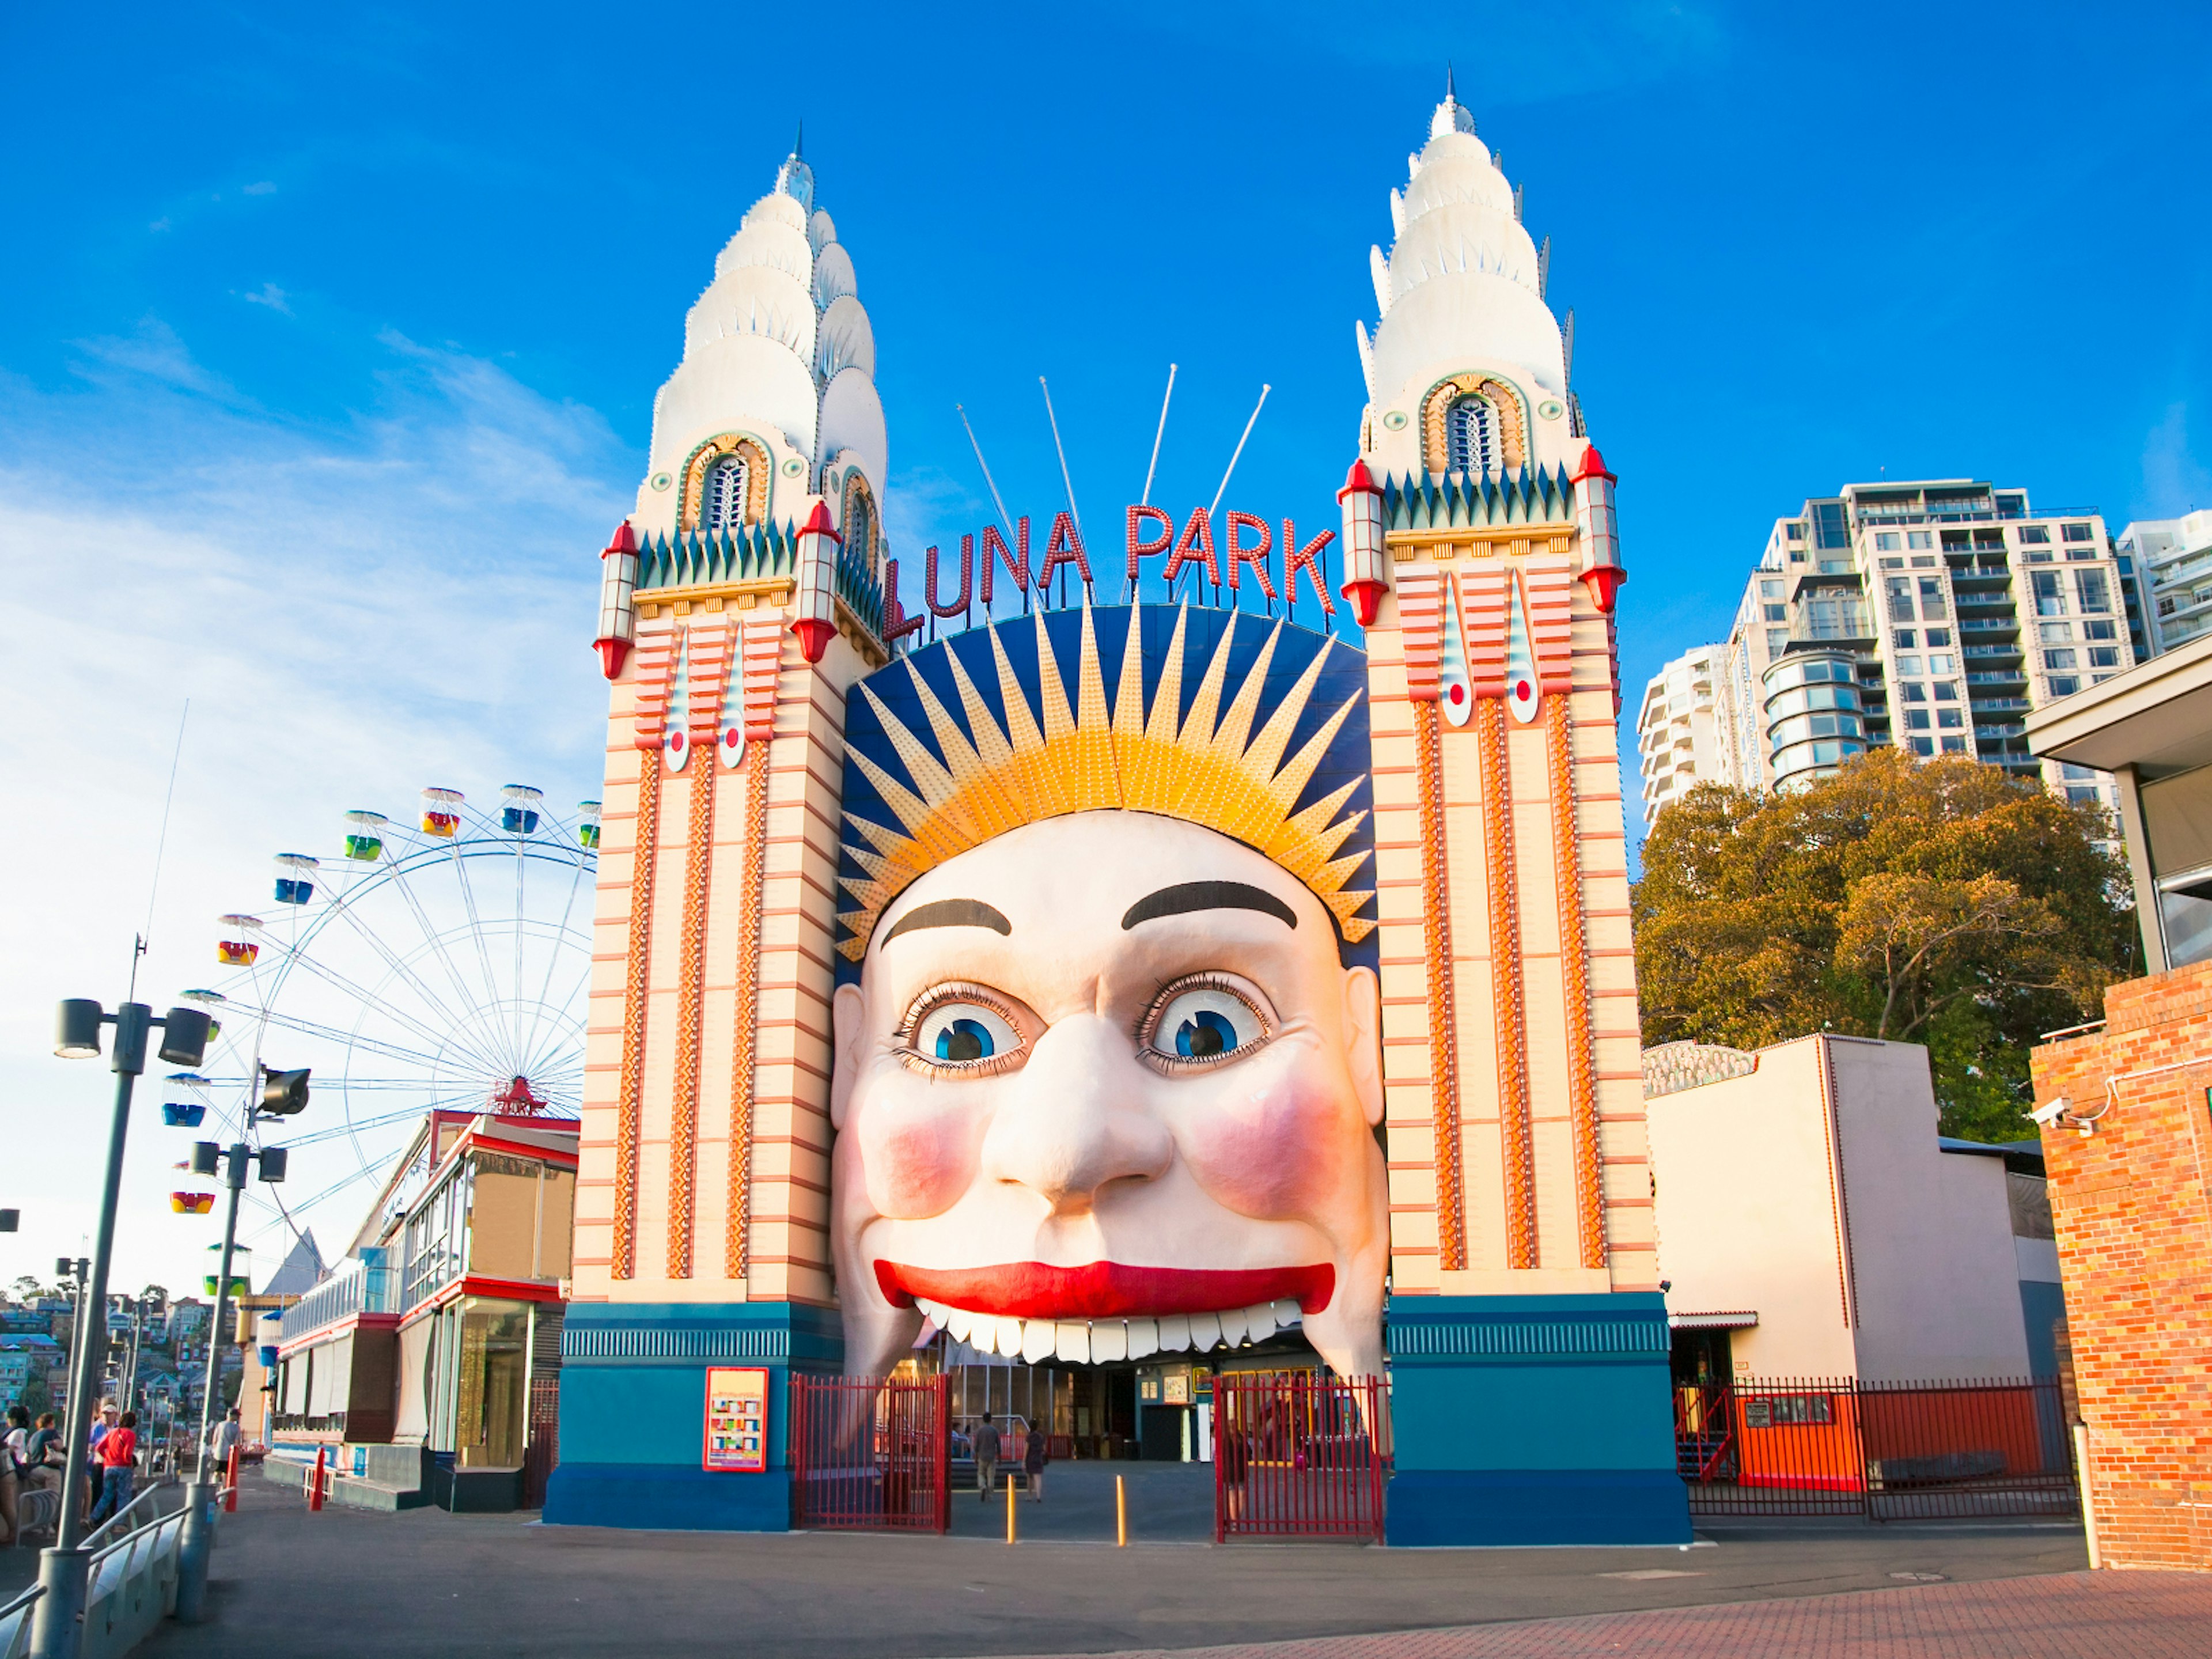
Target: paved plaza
x: 345, y: 1582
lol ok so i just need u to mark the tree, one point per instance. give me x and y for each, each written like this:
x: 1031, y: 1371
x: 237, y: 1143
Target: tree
x: 1937, y: 902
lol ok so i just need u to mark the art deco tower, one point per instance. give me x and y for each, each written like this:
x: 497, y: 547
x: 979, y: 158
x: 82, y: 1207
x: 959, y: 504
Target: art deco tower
x: 740, y: 601
x: 1480, y: 520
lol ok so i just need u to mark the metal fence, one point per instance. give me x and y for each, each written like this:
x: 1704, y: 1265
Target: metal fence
x: 541, y: 1456
x: 1297, y: 1455
x: 1890, y: 1451
x: 869, y: 1453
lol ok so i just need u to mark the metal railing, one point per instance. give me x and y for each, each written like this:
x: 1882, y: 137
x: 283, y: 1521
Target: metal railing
x: 16, y: 1623
x: 869, y: 1453
x: 133, y: 1584
x: 1890, y: 1451
x: 1299, y: 1455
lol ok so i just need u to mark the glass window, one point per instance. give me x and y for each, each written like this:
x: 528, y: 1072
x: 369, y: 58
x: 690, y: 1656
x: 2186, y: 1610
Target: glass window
x: 1796, y: 533
x: 1899, y: 589
x: 2104, y: 656
x: 1924, y: 745
x: 1919, y: 539
x: 1830, y: 530
x: 2035, y: 534
x: 1931, y: 598
x: 723, y: 509
x: 2049, y: 599
x: 489, y: 1427
x: 1940, y: 663
x: 1770, y: 588
x: 1468, y: 437
x: 1939, y: 637
x: 2084, y: 794
x: 1892, y: 564
x: 2075, y: 532
x: 1778, y: 641
x: 1947, y: 690
x: 1950, y: 719
x: 2056, y: 633
x: 1915, y: 720
x: 1777, y: 612
x: 2094, y: 589
x: 1908, y: 665
x: 1954, y: 746
x: 2098, y: 630
x: 1886, y: 541
x: 2064, y: 685
x: 1913, y: 691
x: 2059, y: 660
x: 1902, y: 639
x: 1925, y: 563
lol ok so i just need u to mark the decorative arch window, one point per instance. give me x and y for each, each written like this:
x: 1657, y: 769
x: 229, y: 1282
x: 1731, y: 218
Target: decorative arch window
x: 729, y: 482
x: 1470, y: 437
x: 859, y: 523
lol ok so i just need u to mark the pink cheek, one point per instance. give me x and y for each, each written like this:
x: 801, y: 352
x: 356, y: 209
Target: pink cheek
x: 919, y: 1157
x: 1270, y: 1144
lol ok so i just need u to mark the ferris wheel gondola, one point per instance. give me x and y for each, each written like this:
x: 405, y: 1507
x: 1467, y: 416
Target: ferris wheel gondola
x: 441, y: 967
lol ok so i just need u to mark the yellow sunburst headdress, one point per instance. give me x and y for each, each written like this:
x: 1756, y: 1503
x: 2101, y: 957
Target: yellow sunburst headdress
x: 1047, y: 757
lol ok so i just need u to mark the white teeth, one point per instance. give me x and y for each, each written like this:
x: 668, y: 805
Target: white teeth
x: 1010, y: 1336
x: 1174, y: 1332
x: 932, y: 1311
x: 1039, y: 1337
x: 1073, y: 1341
x: 1204, y: 1331
x: 1144, y: 1337
x: 1104, y: 1341
x: 1109, y: 1340
x: 1234, y: 1324
x: 1287, y: 1313
x: 959, y: 1322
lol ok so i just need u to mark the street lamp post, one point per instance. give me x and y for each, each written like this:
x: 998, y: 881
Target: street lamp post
x: 64, y: 1569
x: 285, y: 1093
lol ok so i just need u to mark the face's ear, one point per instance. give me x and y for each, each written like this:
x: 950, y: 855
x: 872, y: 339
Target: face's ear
x: 847, y: 1012
x: 1363, y: 1039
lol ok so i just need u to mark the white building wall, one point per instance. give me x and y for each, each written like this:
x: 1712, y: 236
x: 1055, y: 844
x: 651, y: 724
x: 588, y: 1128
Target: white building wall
x: 1677, y: 736
x: 2172, y: 560
x: 1812, y: 1191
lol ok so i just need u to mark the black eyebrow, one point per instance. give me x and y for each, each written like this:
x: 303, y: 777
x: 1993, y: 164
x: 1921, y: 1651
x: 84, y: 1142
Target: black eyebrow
x: 949, y: 913
x: 1190, y: 896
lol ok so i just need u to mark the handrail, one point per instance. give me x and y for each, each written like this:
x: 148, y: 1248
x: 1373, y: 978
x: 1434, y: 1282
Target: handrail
x: 17, y: 1640
x: 158, y: 1487
x: 153, y: 1523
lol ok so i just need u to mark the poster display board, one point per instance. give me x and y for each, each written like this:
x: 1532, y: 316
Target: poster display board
x: 737, y: 1419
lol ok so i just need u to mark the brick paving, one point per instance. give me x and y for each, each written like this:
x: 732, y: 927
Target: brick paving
x: 2079, y: 1616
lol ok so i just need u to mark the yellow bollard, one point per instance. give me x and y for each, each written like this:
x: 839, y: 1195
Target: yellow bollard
x: 1121, y: 1514
x: 1009, y: 1510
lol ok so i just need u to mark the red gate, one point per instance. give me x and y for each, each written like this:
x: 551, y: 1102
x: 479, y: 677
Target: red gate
x: 1298, y: 1454
x: 542, y: 1455
x: 868, y: 1453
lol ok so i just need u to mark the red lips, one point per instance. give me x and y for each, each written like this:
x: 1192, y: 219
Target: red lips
x: 1103, y: 1290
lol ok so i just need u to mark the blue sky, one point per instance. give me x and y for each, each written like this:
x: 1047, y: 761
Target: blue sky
x: 328, y: 339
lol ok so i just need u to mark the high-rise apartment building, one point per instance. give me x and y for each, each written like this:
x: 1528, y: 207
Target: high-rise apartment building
x: 1677, y: 739
x: 2172, y: 567
x: 1930, y: 615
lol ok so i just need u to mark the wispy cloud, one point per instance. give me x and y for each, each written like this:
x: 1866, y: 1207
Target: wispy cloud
x: 272, y: 296
x: 2174, y: 481
x: 354, y: 612
x: 265, y: 188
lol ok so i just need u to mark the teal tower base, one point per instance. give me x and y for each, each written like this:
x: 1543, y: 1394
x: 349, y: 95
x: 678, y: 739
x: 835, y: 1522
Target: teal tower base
x: 1520, y: 1421
x: 632, y: 1411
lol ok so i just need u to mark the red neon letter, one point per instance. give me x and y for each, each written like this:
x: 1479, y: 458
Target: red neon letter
x: 1196, y: 545
x: 1306, y: 558
x: 959, y: 606
x: 994, y: 548
x: 1063, y: 546
x: 1255, y: 556
x: 1141, y: 548
x: 897, y: 624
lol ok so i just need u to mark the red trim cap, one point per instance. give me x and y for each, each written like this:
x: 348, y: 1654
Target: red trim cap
x: 1359, y: 480
x: 620, y: 541
x: 1592, y: 465
x: 814, y: 635
x: 817, y: 523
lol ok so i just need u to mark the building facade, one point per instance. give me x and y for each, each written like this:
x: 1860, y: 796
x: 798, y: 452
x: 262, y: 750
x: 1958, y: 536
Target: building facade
x: 804, y: 802
x: 1930, y: 615
x: 2170, y: 560
x: 1678, y: 733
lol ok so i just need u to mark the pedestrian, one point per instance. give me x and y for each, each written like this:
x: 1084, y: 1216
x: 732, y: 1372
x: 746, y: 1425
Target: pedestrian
x: 14, y: 1466
x: 118, y: 1461
x: 103, y: 1425
x: 220, y: 1438
x: 985, y: 1440
x: 47, y: 1456
x: 1034, y: 1457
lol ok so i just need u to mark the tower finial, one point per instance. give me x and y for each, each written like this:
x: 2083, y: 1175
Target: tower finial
x: 1451, y: 92
x: 799, y: 141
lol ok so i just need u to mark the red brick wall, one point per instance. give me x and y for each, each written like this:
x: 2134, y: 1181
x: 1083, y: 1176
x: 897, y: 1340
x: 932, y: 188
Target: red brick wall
x: 2134, y: 1217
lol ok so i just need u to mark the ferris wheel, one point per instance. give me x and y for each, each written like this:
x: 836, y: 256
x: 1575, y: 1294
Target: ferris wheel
x: 438, y: 963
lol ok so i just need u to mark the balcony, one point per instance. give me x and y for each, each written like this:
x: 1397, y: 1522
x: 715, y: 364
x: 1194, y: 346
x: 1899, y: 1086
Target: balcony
x: 1989, y: 625
x: 1997, y: 704
x: 1998, y: 676
x: 1997, y: 732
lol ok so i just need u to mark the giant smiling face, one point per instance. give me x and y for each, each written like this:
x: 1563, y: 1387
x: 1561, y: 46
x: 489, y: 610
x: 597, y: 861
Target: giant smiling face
x: 1103, y: 1089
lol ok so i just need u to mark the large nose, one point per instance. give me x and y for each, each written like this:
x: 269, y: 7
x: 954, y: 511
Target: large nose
x: 1070, y: 1123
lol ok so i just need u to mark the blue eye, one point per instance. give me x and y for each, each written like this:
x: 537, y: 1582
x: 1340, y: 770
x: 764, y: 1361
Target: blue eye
x: 1202, y: 1025
x: 958, y: 1033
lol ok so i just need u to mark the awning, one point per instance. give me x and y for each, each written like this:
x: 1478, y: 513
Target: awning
x: 1741, y: 1320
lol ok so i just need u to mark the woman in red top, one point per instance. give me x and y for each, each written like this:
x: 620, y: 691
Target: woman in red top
x: 118, y: 1457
